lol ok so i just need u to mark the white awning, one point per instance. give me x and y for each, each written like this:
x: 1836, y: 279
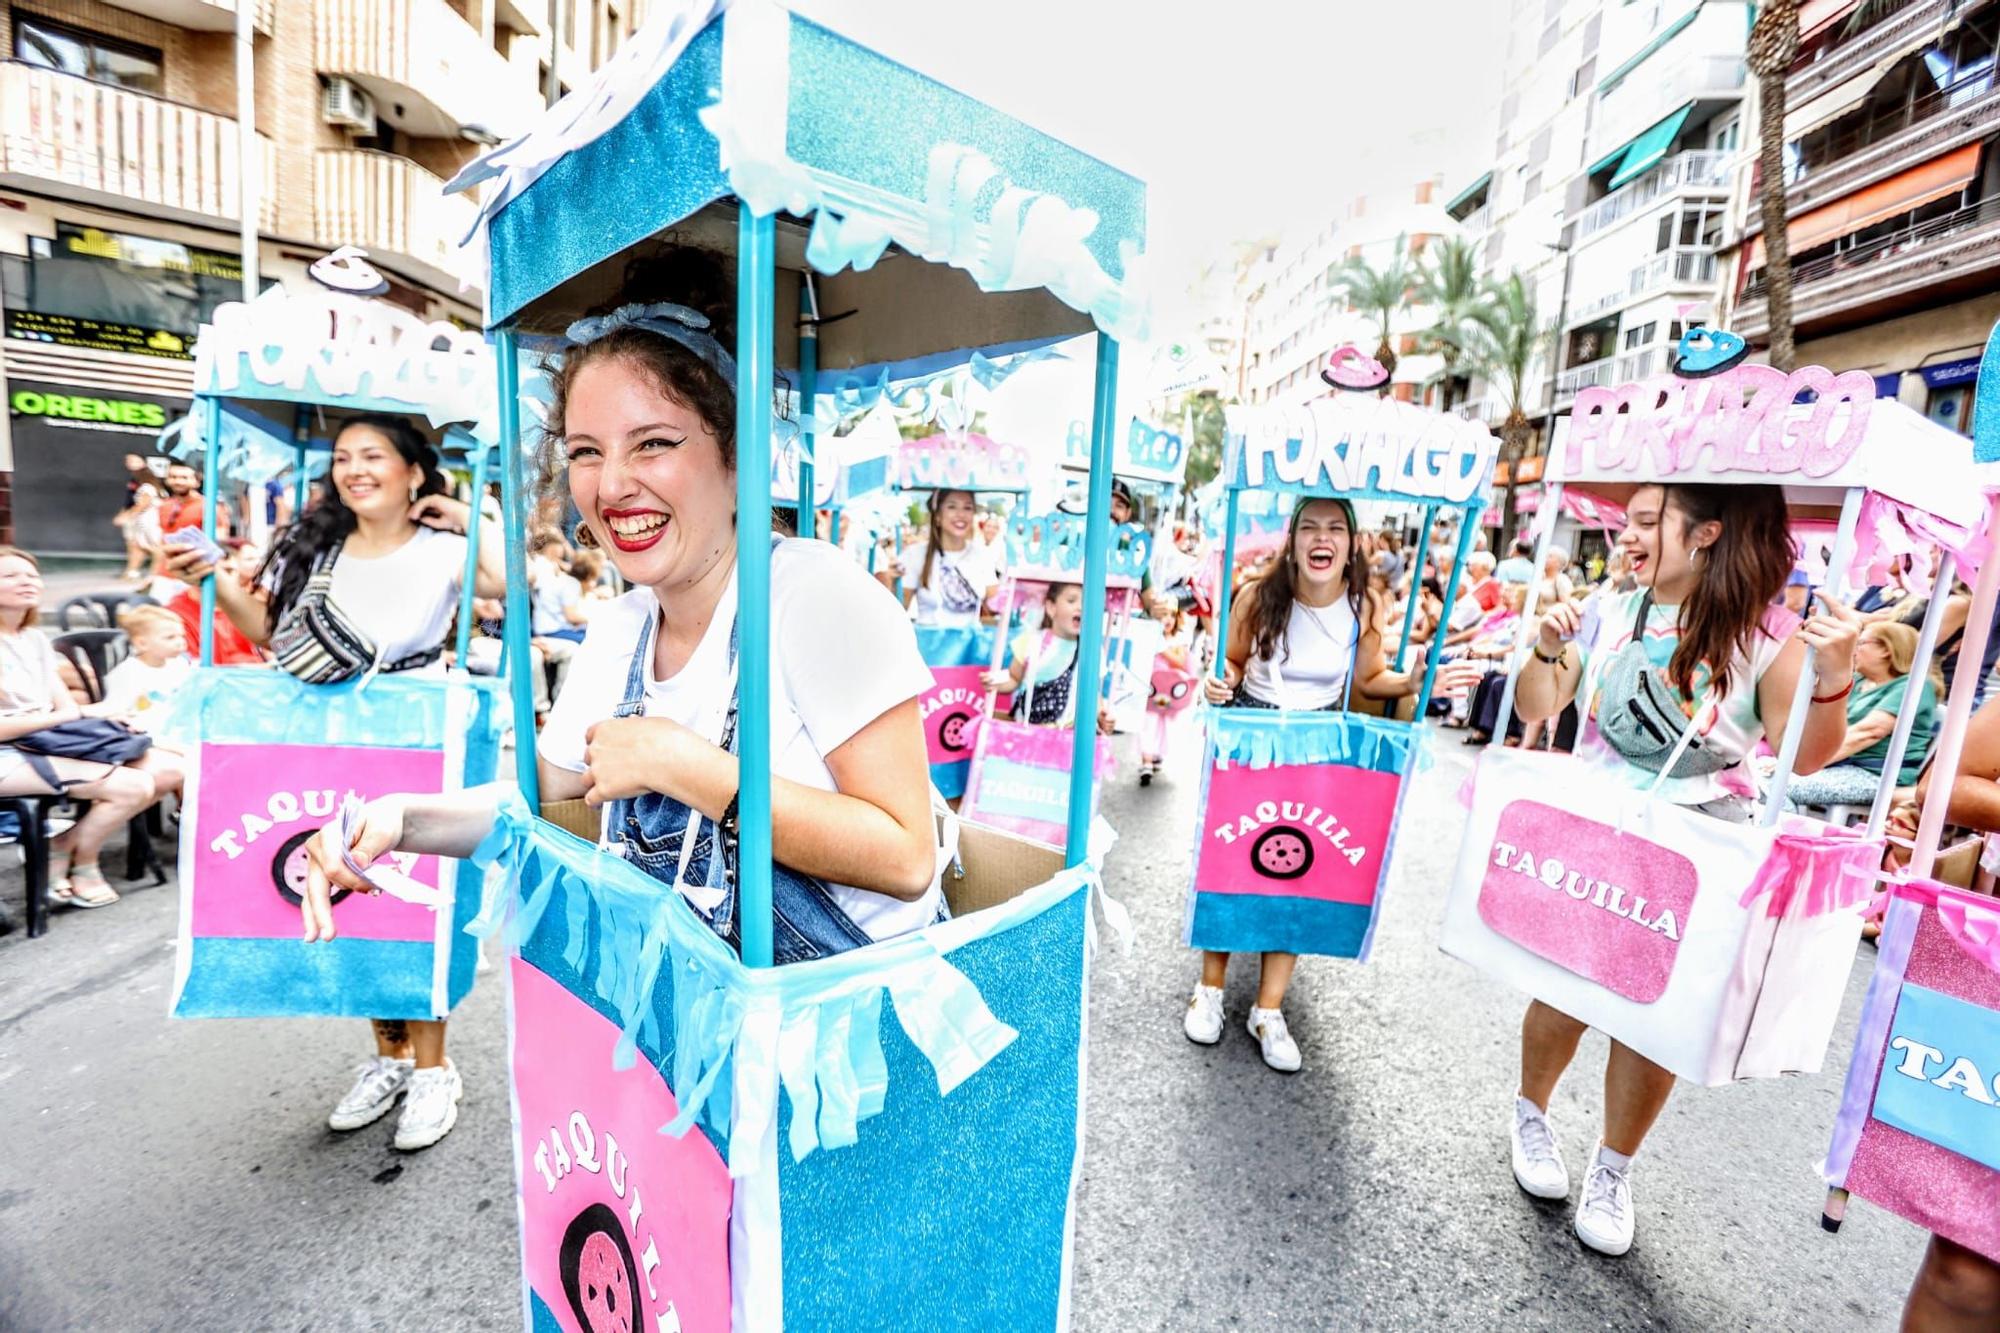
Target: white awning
x: 1833, y: 103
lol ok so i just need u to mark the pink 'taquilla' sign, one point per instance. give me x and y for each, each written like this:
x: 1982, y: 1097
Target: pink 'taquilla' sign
x: 256, y: 807
x: 624, y: 1229
x: 1265, y: 835
x: 950, y: 708
x: 1744, y: 420
x: 1606, y: 905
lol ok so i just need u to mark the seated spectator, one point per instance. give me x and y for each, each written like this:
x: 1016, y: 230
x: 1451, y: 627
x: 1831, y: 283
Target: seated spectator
x: 1882, y: 659
x: 33, y: 698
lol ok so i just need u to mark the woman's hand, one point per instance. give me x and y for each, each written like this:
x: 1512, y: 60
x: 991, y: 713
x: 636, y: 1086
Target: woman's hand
x: 443, y: 513
x: 1453, y: 680
x: 187, y: 563
x: 1106, y: 724
x: 629, y: 756
x: 1223, y: 690
x: 1831, y: 632
x: 377, y: 832
x: 1559, y: 626
x: 997, y: 680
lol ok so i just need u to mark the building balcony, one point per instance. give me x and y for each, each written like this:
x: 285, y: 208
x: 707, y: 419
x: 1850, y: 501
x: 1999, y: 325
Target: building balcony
x: 395, y: 210
x: 1621, y: 369
x: 91, y: 142
x: 1686, y: 173
x: 1710, y: 80
x: 200, y: 15
x: 1683, y: 267
x: 428, y: 70
x: 1479, y: 221
x: 1909, y: 265
x: 1838, y: 61
x: 1927, y: 128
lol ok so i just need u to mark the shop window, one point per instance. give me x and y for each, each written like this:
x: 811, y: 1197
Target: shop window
x: 37, y: 41
x: 114, y: 292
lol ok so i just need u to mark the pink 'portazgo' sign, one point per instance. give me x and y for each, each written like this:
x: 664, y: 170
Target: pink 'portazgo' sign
x: 1606, y: 905
x: 256, y: 806
x: 1265, y: 835
x: 1744, y: 420
x: 624, y: 1229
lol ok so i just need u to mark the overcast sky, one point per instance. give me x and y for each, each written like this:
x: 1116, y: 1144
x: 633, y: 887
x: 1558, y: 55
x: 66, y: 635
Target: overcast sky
x: 1244, y: 117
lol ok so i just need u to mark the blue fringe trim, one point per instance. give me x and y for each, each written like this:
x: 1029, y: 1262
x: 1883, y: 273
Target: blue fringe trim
x: 265, y: 706
x: 1264, y: 738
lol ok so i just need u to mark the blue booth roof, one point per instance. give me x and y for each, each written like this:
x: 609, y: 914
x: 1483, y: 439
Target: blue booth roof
x: 941, y: 222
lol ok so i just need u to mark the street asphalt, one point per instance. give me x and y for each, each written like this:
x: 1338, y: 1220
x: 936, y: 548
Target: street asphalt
x: 179, y: 1175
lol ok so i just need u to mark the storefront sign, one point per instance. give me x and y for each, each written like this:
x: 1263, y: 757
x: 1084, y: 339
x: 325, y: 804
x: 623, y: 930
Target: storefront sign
x: 110, y: 291
x: 81, y: 408
x: 1950, y: 374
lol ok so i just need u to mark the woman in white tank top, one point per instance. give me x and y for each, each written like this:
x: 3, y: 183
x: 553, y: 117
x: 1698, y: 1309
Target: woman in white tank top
x: 1304, y: 637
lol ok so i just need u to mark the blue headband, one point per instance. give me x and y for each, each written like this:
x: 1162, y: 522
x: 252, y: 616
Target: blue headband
x: 675, y: 323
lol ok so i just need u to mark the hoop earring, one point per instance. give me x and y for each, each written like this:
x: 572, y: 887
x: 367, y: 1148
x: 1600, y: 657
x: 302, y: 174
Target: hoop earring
x: 1694, y: 556
x: 415, y: 487
x: 583, y: 538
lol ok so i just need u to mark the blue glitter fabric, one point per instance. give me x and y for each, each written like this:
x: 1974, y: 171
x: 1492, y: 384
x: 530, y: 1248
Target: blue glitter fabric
x: 1986, y: 404
x: 956, y: 1130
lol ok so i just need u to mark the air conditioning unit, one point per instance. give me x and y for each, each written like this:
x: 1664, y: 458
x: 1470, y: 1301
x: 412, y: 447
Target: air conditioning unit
x: 347, y: 105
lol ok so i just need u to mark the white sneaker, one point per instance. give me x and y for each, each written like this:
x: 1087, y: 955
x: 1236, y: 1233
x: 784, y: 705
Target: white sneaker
x: 1204, y: 1015
x: 379, y: 1080
x: 1538, y: 1162
x: 431, y: 1109
x: 1604, y: 1220
x: 1280, y: 1051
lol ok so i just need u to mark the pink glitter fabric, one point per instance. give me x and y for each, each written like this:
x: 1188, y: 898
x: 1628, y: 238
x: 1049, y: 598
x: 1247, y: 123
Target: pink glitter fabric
x: 1911, y: 1177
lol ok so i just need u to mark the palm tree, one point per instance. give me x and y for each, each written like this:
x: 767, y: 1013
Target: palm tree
x: 1506, y: 336
x: 1449, y: 283
x: 1774, y: 44
x: 1377, y: 292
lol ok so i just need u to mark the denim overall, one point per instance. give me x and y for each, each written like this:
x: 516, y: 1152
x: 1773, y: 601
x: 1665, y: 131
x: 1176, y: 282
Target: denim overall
x: 806, y: 922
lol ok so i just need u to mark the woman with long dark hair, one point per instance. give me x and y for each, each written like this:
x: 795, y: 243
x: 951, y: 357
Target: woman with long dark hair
x: 1710, y: 564
x: 957, y: 573
x: 393, y: 540
x: 1306, y: 635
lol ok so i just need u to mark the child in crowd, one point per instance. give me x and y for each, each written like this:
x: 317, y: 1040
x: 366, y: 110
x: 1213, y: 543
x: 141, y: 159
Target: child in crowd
x: 139, y: 686
x: 1042, y: 664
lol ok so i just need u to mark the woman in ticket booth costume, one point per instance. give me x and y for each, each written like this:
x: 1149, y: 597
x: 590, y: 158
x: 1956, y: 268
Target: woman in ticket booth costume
x: 1300, y: 630
x: 642, y: 429
x: 1699, y: 646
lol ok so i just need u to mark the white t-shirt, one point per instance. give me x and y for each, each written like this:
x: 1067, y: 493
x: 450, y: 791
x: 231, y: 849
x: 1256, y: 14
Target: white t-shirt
x: 942, y: 600
x: 1313, y: 661
x: 842, y: 654
x: 135, y: 690
x: 404, y: 600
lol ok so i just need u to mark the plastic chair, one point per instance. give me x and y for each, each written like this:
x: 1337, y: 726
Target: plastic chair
x: 32, y: 813
x: 98, y: 610
x: 93, y: 652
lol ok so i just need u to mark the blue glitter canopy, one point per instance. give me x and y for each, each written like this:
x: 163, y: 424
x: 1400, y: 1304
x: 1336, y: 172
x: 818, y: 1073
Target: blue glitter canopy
x: 943, y: 224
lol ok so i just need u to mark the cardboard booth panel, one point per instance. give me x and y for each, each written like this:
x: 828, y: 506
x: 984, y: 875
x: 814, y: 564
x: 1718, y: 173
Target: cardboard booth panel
x: 1718, y: 951
x: 1919, y: 1125
x: 950, y: 1212
x: 622, y: 1226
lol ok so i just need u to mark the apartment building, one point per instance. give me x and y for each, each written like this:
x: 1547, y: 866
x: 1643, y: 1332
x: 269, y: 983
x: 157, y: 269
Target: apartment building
x: 1515, y: 209
x: 1892, y: 200
x: 1291, y: 318
x: 120, y: 195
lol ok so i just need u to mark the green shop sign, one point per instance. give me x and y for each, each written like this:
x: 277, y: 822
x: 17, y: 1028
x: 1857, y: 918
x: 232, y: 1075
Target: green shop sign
x: 70, y: 407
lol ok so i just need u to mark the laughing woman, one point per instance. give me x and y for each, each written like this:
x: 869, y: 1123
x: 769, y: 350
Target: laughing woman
x: 956, y: 574
x: 393, y: 543
x: 642, y: 428
x: 1710, y: 561
x: 1306, y: 635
